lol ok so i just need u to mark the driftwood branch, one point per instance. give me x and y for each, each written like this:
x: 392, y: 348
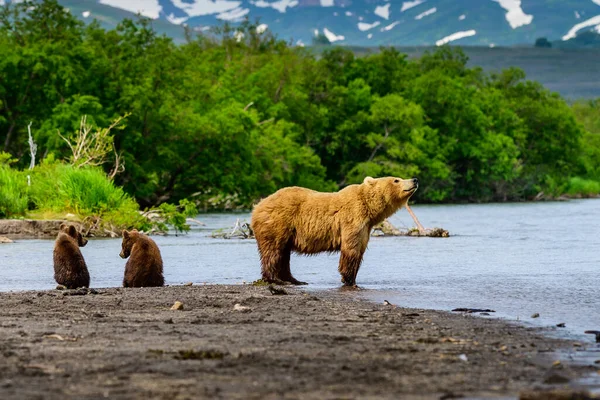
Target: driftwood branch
x: 414, y: 217
x: 239, y: 231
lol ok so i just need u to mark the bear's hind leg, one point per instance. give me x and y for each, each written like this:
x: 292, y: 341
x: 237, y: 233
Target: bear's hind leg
x: 284, y: 268
x: 275, y: 262
x: 270, y: 259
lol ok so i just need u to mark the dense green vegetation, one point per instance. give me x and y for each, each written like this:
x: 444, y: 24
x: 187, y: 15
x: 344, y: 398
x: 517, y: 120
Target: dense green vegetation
x: 54, y: 190
x: 225, y: 119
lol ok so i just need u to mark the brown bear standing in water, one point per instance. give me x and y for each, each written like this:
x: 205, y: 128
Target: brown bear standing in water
x: 69, y: 266
x: 309, y: 222
x: 145, y: 267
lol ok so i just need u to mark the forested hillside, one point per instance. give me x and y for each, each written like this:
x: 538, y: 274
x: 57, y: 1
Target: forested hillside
x: 231, y: 116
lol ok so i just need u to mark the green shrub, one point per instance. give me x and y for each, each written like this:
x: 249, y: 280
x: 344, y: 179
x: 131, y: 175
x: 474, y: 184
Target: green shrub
x: 13, y: 192
x: 583, y: 187
x: 84, y: 191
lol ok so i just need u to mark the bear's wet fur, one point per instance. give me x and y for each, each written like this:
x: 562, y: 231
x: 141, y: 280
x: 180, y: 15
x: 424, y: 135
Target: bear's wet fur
x: 145, y: 266
x: 309, y: 222
x: 70, y: 269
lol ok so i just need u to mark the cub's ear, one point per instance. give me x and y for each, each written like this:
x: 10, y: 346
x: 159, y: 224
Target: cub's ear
x: 134, y: 230
x: 368, y: 179
x: 72, y: 231
x: 63, y: 227
x: 125, y: 234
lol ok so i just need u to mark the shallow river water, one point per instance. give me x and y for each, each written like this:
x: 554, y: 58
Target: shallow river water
x: 518, y: 259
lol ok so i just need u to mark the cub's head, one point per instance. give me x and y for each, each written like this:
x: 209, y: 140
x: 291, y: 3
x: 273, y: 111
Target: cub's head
x: 129, y: 239
x: 74, y: 233
x: 395, y: 192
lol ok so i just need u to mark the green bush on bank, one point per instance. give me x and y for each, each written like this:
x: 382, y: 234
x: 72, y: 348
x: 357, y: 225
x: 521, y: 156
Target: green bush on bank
x: 54, y: 189
x: 583, y: 187
x: 13, y: 192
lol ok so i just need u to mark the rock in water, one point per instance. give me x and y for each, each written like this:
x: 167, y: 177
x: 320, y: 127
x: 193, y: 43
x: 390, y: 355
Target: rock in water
x: 177, y: 306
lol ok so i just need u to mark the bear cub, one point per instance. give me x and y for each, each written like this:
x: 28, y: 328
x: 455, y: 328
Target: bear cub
x: 144, y: 267
x: 69, y: 266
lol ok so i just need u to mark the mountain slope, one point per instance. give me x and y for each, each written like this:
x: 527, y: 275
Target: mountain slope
x: 368, y: 22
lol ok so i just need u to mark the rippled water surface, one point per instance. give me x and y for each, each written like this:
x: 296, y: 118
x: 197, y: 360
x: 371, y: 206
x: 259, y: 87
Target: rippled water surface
x: 517, y: 259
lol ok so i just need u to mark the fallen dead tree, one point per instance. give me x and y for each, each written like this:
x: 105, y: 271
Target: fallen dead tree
x: 241, y: 230
x: 387, y: 229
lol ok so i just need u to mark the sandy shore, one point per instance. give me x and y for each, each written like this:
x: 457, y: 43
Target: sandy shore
x: 127, y: 343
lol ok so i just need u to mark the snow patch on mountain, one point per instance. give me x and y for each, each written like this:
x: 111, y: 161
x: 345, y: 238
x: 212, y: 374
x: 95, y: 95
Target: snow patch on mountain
x: 390, y: 26
x: 85, y: 13
x: 455, y: 36
x: 327, y: 3
x: 585, y: 24
x: 462, y: 17
x: 426, y: 13
x: 200, y: 7
x: 515, y: 15
x: 383, y: 11
x: 407, y: 5
x: 148, y: 8
x: 332, y: 37
x: 281, y: 5
x: 363, y: 26
x: 348, y: 13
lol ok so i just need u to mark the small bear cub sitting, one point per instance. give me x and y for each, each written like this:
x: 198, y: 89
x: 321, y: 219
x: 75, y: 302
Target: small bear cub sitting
x: 145, y: 267
x: 69, y: 266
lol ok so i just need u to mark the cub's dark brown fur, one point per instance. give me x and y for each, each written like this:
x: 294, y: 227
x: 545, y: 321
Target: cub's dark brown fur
x: 69, y: 266
x: 145, y: 267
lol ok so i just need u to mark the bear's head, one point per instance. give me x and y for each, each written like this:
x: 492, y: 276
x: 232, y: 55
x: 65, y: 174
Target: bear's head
x: 74, y: 233
x: 390, y: 193
x: 129, y: 239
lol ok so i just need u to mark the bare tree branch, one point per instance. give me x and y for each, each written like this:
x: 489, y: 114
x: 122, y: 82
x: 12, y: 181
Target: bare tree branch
x: 32, y: 147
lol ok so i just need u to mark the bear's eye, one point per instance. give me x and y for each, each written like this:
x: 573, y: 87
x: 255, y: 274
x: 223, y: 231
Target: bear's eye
x: 396, y: 180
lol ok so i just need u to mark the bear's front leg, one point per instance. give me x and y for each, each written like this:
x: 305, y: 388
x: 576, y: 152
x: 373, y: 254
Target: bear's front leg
x: 350, y: 261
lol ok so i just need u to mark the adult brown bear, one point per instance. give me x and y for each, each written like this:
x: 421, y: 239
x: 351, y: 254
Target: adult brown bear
x: 145, y: 267
x: 309, y: 222
x: 69, y: 266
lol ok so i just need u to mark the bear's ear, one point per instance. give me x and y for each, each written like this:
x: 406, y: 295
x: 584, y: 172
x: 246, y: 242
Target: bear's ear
x: 125, y: 234
x: 368, y: 179
x: 72, y: 231
x: 63, y: 227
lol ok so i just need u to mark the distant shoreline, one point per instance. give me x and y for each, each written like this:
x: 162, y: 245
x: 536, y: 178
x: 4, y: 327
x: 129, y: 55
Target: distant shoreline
x: 128, y: 344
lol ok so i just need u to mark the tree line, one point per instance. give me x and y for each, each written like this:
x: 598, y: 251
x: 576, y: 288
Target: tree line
x: 234, y: 114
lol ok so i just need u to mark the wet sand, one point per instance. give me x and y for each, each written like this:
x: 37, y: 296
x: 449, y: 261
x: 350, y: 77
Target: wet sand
x: 128, y: 344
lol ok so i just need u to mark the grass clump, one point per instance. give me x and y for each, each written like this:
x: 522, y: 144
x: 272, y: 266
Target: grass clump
x: 82, y: 191
x: 583, y: 187
x: 13, y: 192
x: 53, y: 189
